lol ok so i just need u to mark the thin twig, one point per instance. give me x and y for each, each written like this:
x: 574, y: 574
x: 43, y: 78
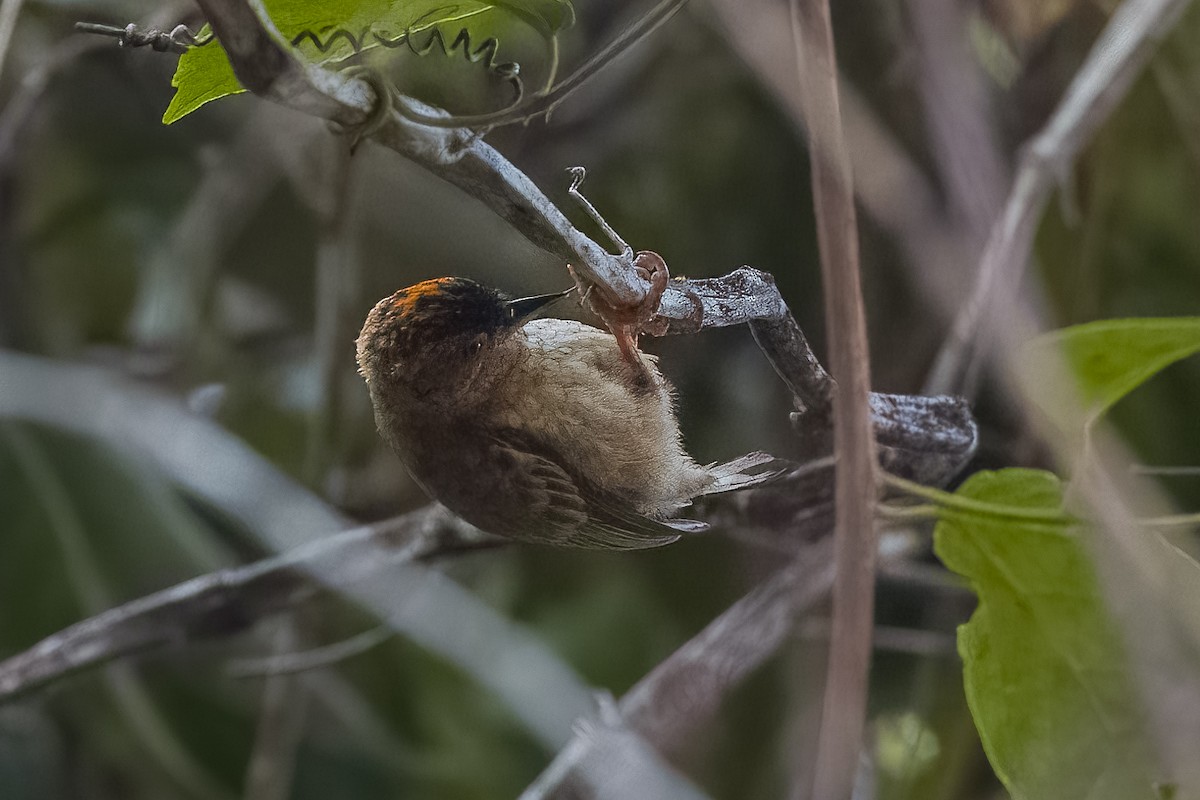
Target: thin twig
x: 283, y: 663
x: 177, y: 40
x: 844, y: 713
x: 578, y: 176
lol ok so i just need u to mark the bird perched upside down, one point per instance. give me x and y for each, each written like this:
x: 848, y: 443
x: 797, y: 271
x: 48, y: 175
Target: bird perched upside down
x: 535, y: 430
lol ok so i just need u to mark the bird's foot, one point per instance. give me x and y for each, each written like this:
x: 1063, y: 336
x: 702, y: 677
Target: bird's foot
x: 629, y: 322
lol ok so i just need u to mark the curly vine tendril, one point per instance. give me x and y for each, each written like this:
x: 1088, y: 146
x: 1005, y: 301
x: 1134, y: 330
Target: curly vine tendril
x: 485, y: 53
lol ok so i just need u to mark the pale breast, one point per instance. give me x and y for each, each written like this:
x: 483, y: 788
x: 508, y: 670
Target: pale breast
x: 614, y: 422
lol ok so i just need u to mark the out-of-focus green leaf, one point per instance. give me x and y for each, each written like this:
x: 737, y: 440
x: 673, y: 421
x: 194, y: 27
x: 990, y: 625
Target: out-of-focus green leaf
x: 1111, y: 358
x: 205, y: 74
x: 1045, y: 669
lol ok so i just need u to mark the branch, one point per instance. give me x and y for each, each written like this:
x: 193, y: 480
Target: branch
x: 844, y: 712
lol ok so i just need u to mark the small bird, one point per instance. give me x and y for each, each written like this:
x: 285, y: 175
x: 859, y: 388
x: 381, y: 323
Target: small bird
x: 542, y: 430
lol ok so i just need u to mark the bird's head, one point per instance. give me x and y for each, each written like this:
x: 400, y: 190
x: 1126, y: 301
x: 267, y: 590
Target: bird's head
x: 438, y: 339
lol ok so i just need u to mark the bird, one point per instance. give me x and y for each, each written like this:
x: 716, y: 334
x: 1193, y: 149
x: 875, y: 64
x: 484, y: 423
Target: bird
x: 539, y: 430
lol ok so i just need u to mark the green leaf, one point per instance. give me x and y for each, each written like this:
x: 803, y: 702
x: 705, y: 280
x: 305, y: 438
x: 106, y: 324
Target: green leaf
x: 204, y: 73
x: 1045, y: 670
x: 1111, y: 358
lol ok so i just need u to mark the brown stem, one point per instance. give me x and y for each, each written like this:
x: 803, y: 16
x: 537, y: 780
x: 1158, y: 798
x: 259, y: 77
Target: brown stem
x: 854, y: 539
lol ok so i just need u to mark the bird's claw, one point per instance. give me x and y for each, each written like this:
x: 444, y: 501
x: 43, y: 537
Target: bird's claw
x: 629, y: 322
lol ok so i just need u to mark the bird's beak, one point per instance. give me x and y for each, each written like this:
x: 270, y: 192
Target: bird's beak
x: 523, y: 308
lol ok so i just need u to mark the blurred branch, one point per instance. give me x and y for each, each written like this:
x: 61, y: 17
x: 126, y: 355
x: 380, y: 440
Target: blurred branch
x: 228, y: 601
x: 1115, y: 60
x: 338, y: 275
x: 9, y: 11
x: 855, y: 544
x: 678, y: 695
x: 1158, y: 634
x: 271, y: 769
x: 689, y: 685
x: 199, y: 456
x: 959, y: 117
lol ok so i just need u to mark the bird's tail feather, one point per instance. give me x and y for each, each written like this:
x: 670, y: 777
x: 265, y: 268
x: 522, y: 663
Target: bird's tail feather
x: 736, y: 474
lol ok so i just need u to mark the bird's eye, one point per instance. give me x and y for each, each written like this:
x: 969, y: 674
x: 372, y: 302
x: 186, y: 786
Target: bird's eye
x: 474, y: 347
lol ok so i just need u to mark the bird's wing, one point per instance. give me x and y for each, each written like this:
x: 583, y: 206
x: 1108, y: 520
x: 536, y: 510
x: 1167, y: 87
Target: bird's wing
x: 569, y: 512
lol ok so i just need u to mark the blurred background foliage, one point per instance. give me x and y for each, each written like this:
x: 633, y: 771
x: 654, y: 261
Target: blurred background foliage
x: 186, y: 258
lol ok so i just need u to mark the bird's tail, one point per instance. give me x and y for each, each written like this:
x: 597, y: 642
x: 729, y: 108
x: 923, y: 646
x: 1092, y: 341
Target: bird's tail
x: 752, y: 469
